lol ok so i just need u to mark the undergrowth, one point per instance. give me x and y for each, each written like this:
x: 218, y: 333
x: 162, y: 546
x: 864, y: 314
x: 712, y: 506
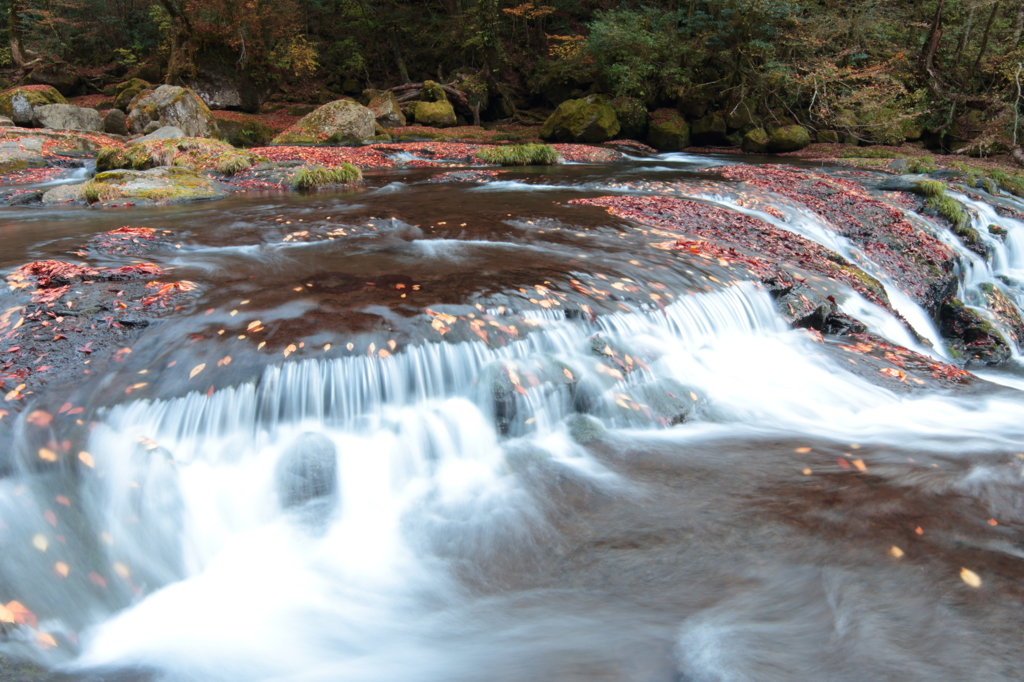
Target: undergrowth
x: 311, y: 177
x: 519, y: 155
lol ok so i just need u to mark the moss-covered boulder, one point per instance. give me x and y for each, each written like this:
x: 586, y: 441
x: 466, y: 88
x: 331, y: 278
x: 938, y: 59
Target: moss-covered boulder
x: 742, y: 115
x: 170, y: 105
x: 125, y: 92
x: 18, y: 104
x: 632, y: 115
x: 1005, y: 312
x: 115, y: 123
x: 828, y: 137
x: 386, y: 110
x: 755, y: 141
x: 667, y: 130
x: 709, y: 130
x: 194, y: 153
x: 343, y: 121
x: 435, y: 114
x: 972, y: 338
x: 242, y: 130
x: 788, y: 139
x: 157, y: 185
x: 590, y: 119
x: 433, y: 92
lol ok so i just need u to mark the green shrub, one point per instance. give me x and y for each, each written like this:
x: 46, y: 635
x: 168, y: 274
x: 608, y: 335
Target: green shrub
x: 870, y: 154
x: 311, y: 177
x: 231, y: 163
x: 519, y: 155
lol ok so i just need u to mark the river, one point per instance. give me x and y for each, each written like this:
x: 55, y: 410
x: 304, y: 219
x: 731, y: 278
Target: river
x: 440, y: 454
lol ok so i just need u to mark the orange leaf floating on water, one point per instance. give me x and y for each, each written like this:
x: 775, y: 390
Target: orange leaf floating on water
x: 970, y: 577
x: 383, y: 353
x: 802, y: 451
x: 896, y: 552
x: 47, y: 455
x: 39, y: 418
x: 843, y: 463
x: 919, y: 530
x: 196, y: 370
x: 253, y: 325
x: 20, y: 614
x: 98, y: 579
x: 859, y: 463
x: 63, y: 500
x: 45, y: 640
x: 86, y: 459
x: 568, y: 374
x: 5, y: 615
x: 226, y: 360
x: 993, y: 522
x: 40, y: 542
x: 64, y: 408
x: 894, y: 373
x: 122, y: 570
x: 62, y: 569
x: 289, y: 350
x: 50, y: 517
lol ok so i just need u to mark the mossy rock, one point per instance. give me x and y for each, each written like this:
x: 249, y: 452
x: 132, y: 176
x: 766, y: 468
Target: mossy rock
x: 301, y: 110
x: 125, y: 92
x: 756, y: 141
x: 743, y: 115
x: 196, y: 153
x: 157, y: 185
x: 18, y: 104
x: 709, y: 130
x: 788, y: 139
x: 433, y: 92
x: 386, y: 110
x: 590, y: 119
x: 828, y: 137
x: 243, y: 131
x: 970, y: 336
x: 170, y: 105
x: 1005, y: 312
x: 667, y: 130
x: 435, y: 114
x: 338, y: 121
x: 632, y: 116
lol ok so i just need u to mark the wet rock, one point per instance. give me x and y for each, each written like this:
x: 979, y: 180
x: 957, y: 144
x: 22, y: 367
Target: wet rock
x: 970, y: 238
x: 115, y: 122
x: 632, y: 116
x: 788, y: 139
x: 1005, y: 312
x: 435, y: 114
x: 667, y: 401
x: 5, y: 122
x: 343, y: 121
x: 755, y: 141
x: 307, y: 471
x: 157, y: 185
x: 20, y: 154
x: 585, y: 429
x: 240, y: 130
x: 18, y: 104
x: 973, y: 339
x: 667, y: 131
x: 709, y: 131
x: 170, y: 105
x: 162, y: 133
x: 997, y: 232
x: 62, y: 195
x: 67, y: 117
x: 386, y: 110
x: 590, y: 119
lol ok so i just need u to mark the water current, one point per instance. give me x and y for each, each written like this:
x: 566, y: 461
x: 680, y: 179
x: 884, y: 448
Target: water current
x: 483, y: 474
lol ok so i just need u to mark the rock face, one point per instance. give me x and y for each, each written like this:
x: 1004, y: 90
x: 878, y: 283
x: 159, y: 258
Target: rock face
x: 125, y: 92
x: 788, y: 139
x: 435, y: 114
x: 590, y: 119
x: 20, y: 154
x: 337, y: 122
x: 18, y: 104
x: 632, y: 116
x: 60, y: 76
x: 170, y: 105
x: 668, y: 131
x: 387, y: 111
x: 115, y: 122
x: 157, y: 185
x: 67, y: 117
x: 709, y: 130
x: 223, y: 87
x: 971, y: 337
x: 755, y: 141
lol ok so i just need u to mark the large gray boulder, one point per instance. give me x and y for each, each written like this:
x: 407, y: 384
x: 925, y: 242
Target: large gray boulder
x: 67, y: 117
x: 22, y: 153
x: 164, y: 133
x: 115, y: 122
x: 170, y: 105
x: 339, y: 121
x: 19, y: 104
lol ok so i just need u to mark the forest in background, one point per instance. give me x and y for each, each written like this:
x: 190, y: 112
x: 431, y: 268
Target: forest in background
x: 946, y: 71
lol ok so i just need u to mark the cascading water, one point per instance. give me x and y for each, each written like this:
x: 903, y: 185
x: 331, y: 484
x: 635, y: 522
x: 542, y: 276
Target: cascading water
x: 639, y: 493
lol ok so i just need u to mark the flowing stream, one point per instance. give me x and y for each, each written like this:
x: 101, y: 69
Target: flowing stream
x: 655, y: 485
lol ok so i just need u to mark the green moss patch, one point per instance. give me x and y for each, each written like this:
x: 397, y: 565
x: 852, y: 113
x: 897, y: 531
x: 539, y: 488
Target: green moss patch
x: 519, y: 155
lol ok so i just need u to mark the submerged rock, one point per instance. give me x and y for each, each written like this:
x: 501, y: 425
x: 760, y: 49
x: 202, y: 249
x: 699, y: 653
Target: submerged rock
x: 343, y: 121
x: 307, y: 471
x: 157, y: 185
x: 590, y: 119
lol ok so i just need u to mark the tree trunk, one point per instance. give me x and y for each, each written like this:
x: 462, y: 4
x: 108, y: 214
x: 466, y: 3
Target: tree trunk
x: 984, y: 37
x: 932, y: 43
x: 396, y: 48
x: 19, y: 55
x: 178, y: 62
